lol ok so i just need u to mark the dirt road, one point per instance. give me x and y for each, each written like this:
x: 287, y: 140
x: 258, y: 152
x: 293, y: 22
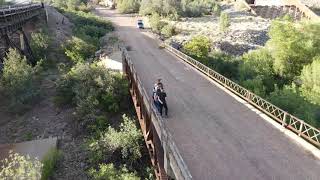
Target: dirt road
x: 218, y: 137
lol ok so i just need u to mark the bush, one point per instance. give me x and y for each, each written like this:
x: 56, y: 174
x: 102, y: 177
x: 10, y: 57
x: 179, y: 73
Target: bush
x: 199, y: 46
x: 19, y: 81
x: 216, y: 9
x: 92, y: 87
x: 168, y: 31
x: 78, y: 50
x: 39, y: 43
x: 224, y: 21
x: 128, y: 139
x: 49, y: 163
x: 155, y: 23
x: 108, y: 171
x: 20, y: 167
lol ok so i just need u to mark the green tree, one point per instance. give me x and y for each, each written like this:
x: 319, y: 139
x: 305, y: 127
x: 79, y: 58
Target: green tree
x: 19, y: 81
x: 108, y: 171
x: 310, y: 78
x: 156, y: 23
x: 128, y: 6
x: 198, y: 46
x: 293, y: 46
x: 256, y: 71
x: 291, y: 100
x: 17, y: 166
x: 146, y: 7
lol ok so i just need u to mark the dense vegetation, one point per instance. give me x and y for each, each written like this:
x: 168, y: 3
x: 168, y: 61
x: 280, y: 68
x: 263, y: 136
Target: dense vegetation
x: 98, y: 95
x: 284, y: 72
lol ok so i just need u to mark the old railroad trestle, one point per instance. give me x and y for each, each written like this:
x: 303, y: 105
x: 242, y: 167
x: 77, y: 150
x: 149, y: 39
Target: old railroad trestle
x: 12, y: 35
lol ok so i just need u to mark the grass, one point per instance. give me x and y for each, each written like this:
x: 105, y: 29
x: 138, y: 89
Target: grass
x: 49, y: 163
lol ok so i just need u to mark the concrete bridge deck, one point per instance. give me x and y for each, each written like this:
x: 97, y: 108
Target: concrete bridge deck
x: 217, y: 136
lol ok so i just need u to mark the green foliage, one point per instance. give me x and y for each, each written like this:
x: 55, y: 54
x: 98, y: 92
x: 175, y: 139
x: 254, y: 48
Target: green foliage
x: 108, y: 171
x: 78, y: 50
x: 19, y: 81
x: 128, y: 139
x: 293, y: 46
x: 49, y: 163
x: 39, y: 43
x: 168, y: 30
x: 198, y: 46
x: 17, y: 166
x: 310, y: 78
x: 291, y: 100
x: 128, y: 6
x: 146, y: 7
x: 216, y: 9
x: 92, y: 87
x: 256, y: 72
x: 224, y: 22
x: 156, y: 23
x: 222, y: 63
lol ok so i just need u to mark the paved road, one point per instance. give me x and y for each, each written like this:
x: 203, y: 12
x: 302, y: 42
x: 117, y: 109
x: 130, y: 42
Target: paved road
x: 218, y: 137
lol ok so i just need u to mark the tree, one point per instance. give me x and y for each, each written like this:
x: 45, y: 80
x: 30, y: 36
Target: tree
x: 310, y: 78
x: 293, y: 46
x: 146, y: 7
x: 128, y: 6
x: 20, y: 167
x: 291, y: 100
x: 19, y: 81
x: 198, y: 46
x: 256, y: 71
x: 39, y: 43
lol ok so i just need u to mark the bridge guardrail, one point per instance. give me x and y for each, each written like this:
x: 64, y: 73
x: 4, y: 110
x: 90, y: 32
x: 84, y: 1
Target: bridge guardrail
x: 165, y: 133
x: 287, y: 120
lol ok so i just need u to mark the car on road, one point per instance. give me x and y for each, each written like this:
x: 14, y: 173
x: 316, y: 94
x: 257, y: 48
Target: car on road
x: 140, y: 24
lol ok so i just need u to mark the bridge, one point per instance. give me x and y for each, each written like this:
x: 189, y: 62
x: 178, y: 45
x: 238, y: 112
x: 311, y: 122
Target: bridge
x: 216, y: 129
x: 12, y: 35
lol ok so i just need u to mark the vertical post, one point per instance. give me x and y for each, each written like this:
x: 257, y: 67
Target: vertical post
x: 22, y: 43
x: 300, y: 129
x: 284, y: 119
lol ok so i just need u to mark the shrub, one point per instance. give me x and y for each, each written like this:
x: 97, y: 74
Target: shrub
x: 78, y: 50
x: 199, y: 46
x: 155, y: 23
x: 92, y: 87
x: 128, y: 139
x: 216, y: 9
x: 49, y: 163
x: 224, y: 22
x: 108, y: 171
x: 39, y: 43
x: 168, y: 30
x: 19, y: 81
x: 146, y: 7
x: 20, y: 167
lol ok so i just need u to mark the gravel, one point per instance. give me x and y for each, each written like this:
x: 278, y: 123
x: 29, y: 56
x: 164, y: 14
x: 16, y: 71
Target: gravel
x: 245, y: 33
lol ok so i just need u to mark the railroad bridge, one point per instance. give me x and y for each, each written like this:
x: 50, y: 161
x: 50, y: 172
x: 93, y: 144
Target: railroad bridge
x: 12, y: 34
